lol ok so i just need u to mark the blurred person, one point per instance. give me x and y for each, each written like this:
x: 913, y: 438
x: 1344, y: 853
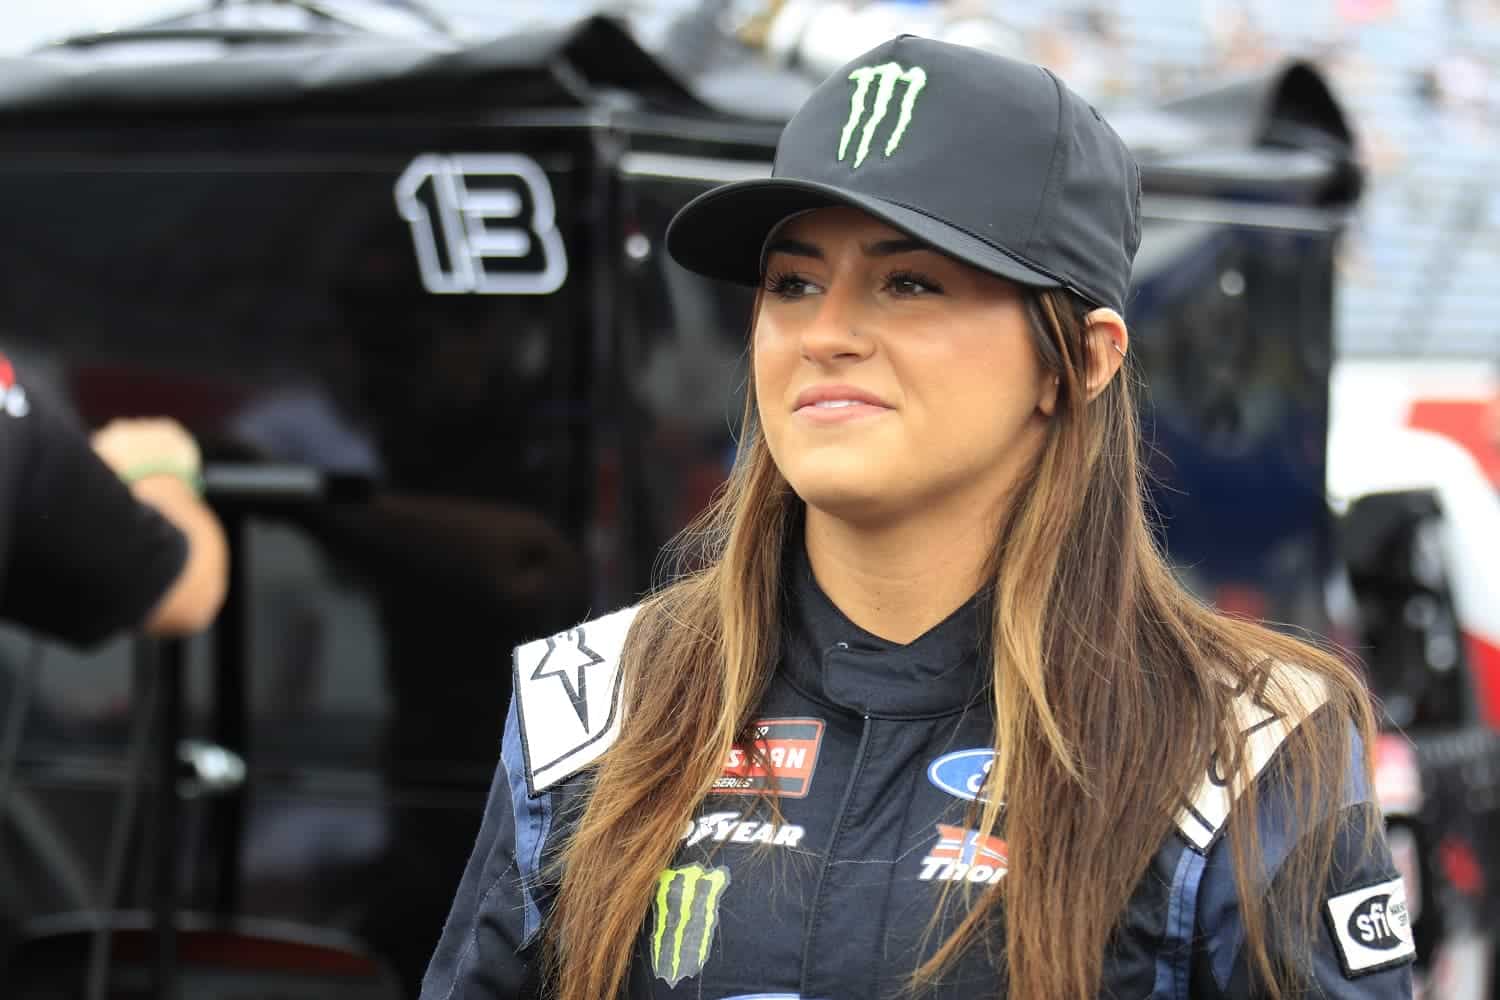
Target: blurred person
x: 932, y: 717
x: 102, y: 537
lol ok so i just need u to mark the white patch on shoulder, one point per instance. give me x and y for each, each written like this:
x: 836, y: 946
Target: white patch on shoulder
x: 568, y: 692
x: 1267, y: 710
x: 1372, y: 927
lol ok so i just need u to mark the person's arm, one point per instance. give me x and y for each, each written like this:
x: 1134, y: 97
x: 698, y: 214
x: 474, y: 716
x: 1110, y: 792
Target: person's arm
x: 87, y: 560
x: 486, y: 951
x: 161, y: 462
x: 1362, y: 947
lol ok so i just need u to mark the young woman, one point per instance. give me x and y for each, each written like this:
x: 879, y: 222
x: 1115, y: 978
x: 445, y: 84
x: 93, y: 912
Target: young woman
x: 933, y: 718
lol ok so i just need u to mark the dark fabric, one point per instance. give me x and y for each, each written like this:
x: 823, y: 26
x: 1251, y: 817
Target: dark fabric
x: 1222, y: 968
x: 993, y: 161
x: 81, y: 558
x: 843, y: 896
x: 483, y: 951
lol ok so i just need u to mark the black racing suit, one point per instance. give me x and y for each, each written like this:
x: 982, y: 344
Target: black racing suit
x: 879, y: 750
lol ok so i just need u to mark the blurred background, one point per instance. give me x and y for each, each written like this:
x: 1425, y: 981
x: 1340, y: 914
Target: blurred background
x: 397, y: 267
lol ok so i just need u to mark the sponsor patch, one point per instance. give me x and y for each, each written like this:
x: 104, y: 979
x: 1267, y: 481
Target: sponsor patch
x: 734, y: 828
x: 567, y: 690
x: 963, y: 855
x: 886, y: 78
x: 1264, y: 726
x: 1372, y: 927
x: 791, y: 747
x: 962, y: 772
x: 685, y: 919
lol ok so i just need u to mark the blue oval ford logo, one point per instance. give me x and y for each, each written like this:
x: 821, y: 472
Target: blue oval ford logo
x: 962, y: 772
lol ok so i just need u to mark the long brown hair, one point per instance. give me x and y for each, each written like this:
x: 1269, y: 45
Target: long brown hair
x: 1111, y: 692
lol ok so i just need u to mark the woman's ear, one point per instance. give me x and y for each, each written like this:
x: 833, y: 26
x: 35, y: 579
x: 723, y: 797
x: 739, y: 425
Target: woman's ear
x: 1108, y: 343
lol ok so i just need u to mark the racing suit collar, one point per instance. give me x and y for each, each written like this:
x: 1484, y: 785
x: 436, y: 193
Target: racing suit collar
x: 833, y: 660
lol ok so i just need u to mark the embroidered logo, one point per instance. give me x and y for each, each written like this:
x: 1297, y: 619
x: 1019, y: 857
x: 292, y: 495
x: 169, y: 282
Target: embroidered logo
x: 573, y: 658
x: 1372, y: 928
x: 788, y: 756
x: 962, y: 773
x: 963, y: 855
x: 885, y: 77
x: 734, y: 828
x: 687, y: 914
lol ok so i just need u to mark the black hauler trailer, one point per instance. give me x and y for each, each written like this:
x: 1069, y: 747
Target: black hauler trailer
x: 411, y: 297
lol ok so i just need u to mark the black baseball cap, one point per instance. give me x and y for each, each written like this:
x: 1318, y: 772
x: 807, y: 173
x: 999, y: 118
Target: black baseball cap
x: 992, y: 161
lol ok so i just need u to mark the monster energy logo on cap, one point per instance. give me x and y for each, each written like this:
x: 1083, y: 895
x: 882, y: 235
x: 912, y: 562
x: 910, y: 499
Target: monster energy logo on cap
x: 687, y: 914
x: 888, y: 76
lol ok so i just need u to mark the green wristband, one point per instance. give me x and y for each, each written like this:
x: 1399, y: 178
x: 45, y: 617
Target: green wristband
x: 187, y: 476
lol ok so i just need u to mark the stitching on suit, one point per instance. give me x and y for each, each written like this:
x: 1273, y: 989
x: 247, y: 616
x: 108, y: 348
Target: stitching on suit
x: 473, y: 943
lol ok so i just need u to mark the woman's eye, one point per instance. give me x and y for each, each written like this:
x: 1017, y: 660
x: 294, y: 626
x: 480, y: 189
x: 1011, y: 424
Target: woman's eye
x: 788, y: 286
x: 910, y: 285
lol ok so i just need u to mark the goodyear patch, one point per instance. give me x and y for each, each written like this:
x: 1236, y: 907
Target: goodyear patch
x: 685, y: 917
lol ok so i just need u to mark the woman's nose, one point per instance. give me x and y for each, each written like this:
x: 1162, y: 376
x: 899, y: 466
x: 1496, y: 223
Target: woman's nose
x: 837, y: 332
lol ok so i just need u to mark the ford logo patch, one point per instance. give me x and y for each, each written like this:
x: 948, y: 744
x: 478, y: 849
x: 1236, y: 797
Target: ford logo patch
x: 1374, y: 923
x: 962, y: 772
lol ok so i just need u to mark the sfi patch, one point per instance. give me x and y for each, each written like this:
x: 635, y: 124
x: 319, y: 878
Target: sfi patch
x: 685, y: 918
x: 1372, y: 927
x: 789, y: 746
x: 568, y: 696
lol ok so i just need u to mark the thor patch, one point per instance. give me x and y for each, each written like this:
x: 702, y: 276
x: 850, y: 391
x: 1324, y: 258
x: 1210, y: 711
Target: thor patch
x: 567, y: 690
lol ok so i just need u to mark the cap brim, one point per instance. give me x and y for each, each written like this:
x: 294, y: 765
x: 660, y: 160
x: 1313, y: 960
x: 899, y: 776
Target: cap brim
x: 721, y: 233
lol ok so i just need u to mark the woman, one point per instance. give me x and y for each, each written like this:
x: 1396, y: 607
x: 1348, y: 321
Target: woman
x: 934, y: 719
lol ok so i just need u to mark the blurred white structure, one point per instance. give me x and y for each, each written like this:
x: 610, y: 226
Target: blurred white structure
x: 24, y: 25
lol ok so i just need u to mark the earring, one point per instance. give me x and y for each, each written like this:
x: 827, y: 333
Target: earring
x: 1118, y: 349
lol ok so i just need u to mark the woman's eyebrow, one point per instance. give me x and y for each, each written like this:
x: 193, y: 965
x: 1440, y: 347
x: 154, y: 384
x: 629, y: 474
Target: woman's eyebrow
x: 889, y: 248
x: 794, y: 247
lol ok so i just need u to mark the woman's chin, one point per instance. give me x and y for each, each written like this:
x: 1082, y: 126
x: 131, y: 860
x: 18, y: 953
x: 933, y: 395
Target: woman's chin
x: 855, y: 503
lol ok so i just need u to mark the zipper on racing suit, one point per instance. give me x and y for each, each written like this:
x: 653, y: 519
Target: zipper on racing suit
x: 815, y: 913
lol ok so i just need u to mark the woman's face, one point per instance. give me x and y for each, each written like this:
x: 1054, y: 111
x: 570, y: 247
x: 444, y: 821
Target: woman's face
x: 889, y: 378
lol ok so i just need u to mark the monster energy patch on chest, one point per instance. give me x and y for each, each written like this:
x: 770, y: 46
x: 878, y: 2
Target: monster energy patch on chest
x: 684, y: 918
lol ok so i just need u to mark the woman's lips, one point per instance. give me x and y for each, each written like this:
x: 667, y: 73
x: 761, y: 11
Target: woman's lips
x: 839, y: 411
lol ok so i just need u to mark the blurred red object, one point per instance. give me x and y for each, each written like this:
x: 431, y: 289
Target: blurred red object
x: 1472, y: 423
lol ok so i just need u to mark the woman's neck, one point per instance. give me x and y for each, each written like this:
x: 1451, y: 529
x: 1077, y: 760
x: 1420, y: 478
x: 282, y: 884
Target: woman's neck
x: 897, y: 582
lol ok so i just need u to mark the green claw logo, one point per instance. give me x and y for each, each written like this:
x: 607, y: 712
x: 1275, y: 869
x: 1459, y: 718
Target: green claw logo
x: 687, y: 914
x: 886, y: 77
